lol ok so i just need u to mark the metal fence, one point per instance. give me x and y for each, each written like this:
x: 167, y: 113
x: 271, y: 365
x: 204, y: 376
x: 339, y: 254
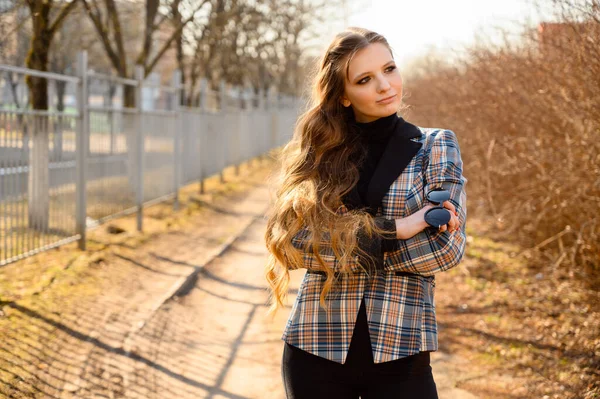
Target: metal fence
x: 109, y: 146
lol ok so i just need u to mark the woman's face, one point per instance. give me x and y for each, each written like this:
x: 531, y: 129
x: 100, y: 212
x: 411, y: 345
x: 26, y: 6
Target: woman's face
x: 373, y: 87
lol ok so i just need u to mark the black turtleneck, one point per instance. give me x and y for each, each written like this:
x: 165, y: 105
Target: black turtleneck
x: 375, y: 136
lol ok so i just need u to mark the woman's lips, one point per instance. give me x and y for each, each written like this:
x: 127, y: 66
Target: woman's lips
x: 387, y: 100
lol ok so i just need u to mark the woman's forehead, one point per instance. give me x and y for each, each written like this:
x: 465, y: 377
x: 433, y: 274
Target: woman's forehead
x: 369, y: 59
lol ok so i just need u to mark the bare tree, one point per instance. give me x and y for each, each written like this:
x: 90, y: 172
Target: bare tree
x: 44, y: 28
x: 46, y: 18
x: 107, y: 21
x: 295, y: 23
x: 266, y: 37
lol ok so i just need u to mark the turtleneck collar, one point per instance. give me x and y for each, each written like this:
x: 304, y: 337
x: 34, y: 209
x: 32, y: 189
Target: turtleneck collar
x: 380, y: 130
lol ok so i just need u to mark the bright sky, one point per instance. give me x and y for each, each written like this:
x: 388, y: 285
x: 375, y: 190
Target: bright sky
x: 413, y: 26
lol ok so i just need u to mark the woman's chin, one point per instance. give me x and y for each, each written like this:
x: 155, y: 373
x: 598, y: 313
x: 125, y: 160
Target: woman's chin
x: 388, y: 109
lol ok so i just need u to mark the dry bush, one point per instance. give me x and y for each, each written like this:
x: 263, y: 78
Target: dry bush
x: 528, y: 120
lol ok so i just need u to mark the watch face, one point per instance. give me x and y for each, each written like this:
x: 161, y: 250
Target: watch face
x: 437, y: 217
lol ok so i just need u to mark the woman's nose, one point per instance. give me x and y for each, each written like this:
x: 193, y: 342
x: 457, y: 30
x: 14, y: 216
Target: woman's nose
x: 383, y: 84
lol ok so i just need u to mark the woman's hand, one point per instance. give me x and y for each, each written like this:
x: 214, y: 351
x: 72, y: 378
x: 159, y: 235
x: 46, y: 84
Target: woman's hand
x: 409, y: 226
x: 452, y: 225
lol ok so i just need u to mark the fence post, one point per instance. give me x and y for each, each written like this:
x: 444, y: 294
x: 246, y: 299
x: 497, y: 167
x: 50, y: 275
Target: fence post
x: 111, y: 117
x: 177, y: 153
x: 261, y: 99
x: 139, y: 161
x: 82, y: 148
x: 223, y: 110
x: 203, y: 94
x: 203, y: 108
x: 243, y: 106
x: 261, y: 111
x: 273, y: 110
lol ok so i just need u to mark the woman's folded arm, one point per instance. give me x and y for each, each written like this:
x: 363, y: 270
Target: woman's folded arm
x: 432, y: 251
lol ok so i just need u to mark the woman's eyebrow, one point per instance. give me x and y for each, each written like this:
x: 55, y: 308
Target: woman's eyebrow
x: 364, y: 73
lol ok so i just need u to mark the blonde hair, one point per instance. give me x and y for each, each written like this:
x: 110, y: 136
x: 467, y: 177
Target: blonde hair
x: 318, y: 167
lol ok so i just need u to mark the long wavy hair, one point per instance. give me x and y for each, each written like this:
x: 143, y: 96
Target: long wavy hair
x: 318, y: 167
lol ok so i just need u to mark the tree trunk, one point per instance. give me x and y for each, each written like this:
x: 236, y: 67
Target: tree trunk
x: 38, y: 182
x: 37, y: 58
x: 59, y: 123
x: 181, y: 65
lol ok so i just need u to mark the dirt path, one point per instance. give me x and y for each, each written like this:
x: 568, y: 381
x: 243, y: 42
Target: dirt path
x: 127, y: 339
x: 240, y: 344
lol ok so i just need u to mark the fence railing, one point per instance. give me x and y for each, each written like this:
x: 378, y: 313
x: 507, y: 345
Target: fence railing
x: 109, y: 146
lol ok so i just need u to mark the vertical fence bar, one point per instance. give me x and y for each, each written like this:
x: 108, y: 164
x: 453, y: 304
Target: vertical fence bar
x: 11, y: 241
x: 82, y: 147
x: 223, y: 110
x: 111, y: 119
x: 21, y: 185
x: 203, y: 108
x: 139, y: 142
x: 6, y: 185
x: 176, y: 101
x: 3, y: 195
x: 239, y: 117
x: 273, y: 111
x: 261, y: 106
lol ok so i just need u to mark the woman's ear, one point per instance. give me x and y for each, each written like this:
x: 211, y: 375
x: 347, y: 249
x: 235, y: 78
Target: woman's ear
x: 345, y: 102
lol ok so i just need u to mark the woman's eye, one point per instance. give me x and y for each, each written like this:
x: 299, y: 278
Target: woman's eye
x: 366, y: 79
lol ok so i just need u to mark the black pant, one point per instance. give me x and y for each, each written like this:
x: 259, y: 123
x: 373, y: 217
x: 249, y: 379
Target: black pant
x: 307, y: 376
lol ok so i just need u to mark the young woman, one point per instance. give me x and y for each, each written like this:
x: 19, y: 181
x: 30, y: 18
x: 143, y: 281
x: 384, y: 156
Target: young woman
x: 350, y: 209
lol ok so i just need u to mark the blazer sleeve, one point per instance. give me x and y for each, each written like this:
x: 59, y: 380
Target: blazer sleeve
x: 429, y: 251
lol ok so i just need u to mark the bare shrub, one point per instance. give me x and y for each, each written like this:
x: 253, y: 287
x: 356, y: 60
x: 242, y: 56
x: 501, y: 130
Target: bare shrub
x: 528, y: 119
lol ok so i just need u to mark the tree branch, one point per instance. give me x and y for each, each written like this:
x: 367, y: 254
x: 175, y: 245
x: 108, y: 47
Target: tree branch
x: 64, y: 11
x: 148, y: 68
x: 103, y: 33
x: 113, y: 16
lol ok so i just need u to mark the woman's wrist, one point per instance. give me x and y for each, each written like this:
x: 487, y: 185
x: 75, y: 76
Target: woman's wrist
x: 409, y: 226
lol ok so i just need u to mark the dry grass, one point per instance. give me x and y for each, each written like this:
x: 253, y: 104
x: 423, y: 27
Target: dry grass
x: 542, y: 333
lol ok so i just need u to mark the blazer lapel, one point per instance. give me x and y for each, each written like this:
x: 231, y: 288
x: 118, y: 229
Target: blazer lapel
x: 397, y: 155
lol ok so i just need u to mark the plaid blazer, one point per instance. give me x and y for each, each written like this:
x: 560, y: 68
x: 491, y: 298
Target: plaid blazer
x: 399, y: 302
